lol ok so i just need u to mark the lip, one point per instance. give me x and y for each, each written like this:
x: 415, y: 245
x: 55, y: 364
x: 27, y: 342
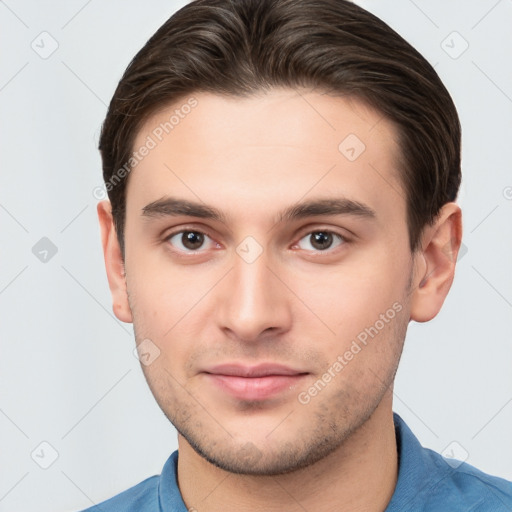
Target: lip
x: 258, y: 382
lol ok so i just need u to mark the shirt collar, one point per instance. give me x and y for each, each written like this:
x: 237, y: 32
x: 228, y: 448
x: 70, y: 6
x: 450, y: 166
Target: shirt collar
x: 415, y: 468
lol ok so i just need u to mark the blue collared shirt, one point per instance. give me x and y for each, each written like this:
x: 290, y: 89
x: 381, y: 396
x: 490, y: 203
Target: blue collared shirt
x: 426, y: 483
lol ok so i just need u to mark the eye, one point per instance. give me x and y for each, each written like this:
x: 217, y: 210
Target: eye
x: 320, y: 240
x: 188, y: 240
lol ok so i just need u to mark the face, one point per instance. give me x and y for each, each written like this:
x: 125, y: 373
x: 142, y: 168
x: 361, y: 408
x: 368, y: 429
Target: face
x: 268, y: 267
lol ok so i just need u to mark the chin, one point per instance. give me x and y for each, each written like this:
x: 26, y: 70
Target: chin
x: 247, y: 458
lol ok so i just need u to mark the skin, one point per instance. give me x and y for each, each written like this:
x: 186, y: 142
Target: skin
x: 298, y: 304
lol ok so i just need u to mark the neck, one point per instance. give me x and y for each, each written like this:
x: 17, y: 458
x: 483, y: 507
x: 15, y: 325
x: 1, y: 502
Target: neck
x: 359, y: 475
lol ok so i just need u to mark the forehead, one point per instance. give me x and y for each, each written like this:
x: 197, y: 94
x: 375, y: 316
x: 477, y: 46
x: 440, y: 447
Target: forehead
x: 265, y: 149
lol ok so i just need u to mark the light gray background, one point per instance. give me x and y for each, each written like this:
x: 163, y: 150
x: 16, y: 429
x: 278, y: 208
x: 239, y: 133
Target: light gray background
x: 68, y: 374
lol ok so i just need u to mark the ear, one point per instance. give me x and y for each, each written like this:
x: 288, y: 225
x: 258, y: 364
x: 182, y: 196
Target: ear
x: 114, y: 263
x: 435, y: 263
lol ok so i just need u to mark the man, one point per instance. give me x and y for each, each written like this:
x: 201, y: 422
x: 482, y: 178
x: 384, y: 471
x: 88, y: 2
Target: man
x: 282, y: 178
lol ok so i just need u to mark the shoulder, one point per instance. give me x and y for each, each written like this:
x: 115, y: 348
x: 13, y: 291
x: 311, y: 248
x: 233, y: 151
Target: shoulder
x: 430, y: 483
x: 142, y: 497
x: 464, y: 487
x: 152, y: 495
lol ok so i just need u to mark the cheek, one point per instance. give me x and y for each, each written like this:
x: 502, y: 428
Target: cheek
x: 345, y: 300
x: 166, y: 294
x: 171, y: 307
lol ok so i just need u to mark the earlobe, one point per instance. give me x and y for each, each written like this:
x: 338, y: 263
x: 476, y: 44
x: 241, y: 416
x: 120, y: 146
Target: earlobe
x: 435, y: 263
x: 114, y: 263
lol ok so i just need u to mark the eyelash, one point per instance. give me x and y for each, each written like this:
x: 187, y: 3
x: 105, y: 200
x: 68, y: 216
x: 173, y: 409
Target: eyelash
x: 343, y: 240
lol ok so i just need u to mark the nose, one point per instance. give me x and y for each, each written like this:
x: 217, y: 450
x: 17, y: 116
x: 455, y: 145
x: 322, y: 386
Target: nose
x: 255, y: 301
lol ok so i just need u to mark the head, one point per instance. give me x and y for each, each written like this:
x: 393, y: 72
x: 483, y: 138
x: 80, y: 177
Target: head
x: 282, y: 178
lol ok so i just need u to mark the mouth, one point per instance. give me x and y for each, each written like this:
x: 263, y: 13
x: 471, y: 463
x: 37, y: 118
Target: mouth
x: 259, y: 382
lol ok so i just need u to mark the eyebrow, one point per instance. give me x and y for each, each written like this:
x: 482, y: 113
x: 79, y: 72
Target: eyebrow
x: 173, y: 207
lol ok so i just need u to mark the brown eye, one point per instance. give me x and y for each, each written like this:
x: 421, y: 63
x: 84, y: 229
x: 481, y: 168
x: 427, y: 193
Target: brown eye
x: 320, y: 241
x: 187, y: 241
x: 192, y: 239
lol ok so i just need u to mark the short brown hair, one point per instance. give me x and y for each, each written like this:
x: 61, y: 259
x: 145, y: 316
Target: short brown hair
x: 242, y: 47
